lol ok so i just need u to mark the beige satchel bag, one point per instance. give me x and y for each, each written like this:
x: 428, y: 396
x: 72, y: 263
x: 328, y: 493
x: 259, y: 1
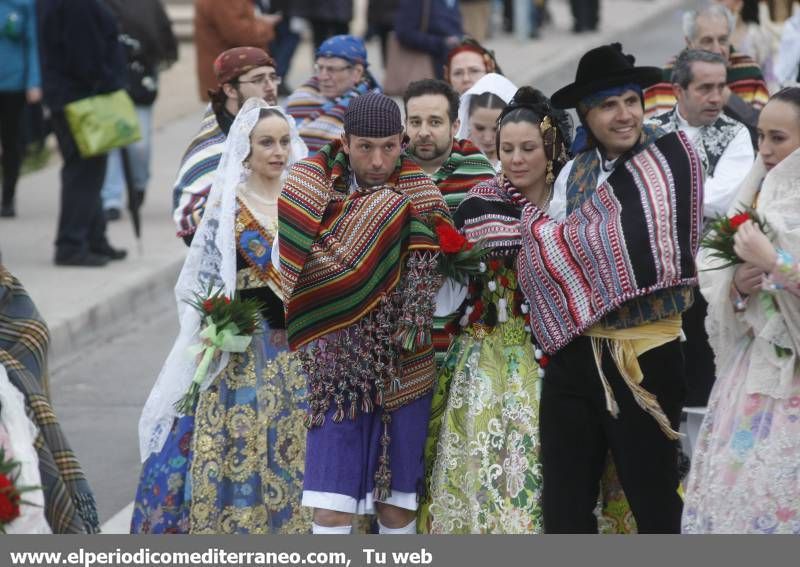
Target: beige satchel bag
x: 404, y: 65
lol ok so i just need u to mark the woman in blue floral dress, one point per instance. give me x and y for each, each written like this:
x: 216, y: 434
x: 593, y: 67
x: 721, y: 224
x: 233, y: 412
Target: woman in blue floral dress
x: 235, y: 464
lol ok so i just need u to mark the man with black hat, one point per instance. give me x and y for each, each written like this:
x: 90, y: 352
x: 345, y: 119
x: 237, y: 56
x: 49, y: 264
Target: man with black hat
x: 242, y: 73
x: 357, y: 253
x: 607, y: 289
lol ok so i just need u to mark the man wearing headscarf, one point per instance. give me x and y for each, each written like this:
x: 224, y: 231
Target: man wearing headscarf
x: 357, y: 253
x: 241, y: 73
x: 607, y: 288
x: 340, y: 76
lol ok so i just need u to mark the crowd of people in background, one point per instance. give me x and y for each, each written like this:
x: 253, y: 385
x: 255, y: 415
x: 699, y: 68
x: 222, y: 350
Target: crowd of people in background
x: 545, y: 387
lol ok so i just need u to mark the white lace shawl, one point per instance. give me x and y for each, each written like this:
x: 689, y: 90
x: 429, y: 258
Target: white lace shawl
x: 211, y: 261
x: 778, y: 203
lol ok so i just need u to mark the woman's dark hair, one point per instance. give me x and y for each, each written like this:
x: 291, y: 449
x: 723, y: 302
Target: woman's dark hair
x: 262, y: 114
x: 485, y: 100
x: 749, y: 12
x: 532, y: 106
x: 790, y: 95
x: 267, y: 112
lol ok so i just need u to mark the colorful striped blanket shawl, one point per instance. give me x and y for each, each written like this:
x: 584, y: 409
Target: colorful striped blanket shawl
x: 319, y: 119
x: 341, y: 253
x: 196, y: 174
x: 638, y: 233
x: 465, y: 168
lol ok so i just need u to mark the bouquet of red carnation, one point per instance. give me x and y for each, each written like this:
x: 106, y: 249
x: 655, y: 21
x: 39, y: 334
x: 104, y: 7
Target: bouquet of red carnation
x: 720, y: 232
x: 228, y: 325
x: 459, y: 259
x: 10, y: 493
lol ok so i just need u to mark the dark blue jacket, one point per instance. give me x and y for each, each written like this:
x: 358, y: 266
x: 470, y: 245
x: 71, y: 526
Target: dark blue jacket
x: 444, y: 21
x: 80, y: 51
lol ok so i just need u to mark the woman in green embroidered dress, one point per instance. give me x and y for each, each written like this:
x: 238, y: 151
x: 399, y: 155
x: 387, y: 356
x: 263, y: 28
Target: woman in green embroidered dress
x: 483, y: 472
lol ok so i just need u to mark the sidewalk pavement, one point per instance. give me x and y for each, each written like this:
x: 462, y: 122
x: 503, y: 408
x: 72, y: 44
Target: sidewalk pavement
x: 80, y: 303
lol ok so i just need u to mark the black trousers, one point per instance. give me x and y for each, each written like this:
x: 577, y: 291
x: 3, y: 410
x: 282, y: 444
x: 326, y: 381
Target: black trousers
x: 585, y: 14
x: 698, y: 354
x: 81, y: 222
x: 577, y: 432
x: 12, y: 106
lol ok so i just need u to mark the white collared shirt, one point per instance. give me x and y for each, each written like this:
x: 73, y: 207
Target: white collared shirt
x: 733, y: 166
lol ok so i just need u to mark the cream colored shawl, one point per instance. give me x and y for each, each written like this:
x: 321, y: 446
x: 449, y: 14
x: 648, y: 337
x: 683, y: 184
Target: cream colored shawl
x: 771, y: 318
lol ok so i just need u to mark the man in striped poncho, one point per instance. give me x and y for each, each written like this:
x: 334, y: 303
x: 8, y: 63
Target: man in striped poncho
x: 357, y: 254
x: 710, y: 29
x: 454, y: 165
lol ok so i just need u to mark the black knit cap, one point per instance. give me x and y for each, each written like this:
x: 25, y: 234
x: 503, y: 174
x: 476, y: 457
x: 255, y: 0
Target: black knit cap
x: 372, y: 115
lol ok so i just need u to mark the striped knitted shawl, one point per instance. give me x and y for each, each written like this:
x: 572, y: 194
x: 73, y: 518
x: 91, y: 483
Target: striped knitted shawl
x: 196, y: 174
x: 340, y: 253
x: 491, y: 213
x: 637, y: 233
x: 69, y: 503
x: 319, y: 119
x: 744, y: 79
x: 465, y: 168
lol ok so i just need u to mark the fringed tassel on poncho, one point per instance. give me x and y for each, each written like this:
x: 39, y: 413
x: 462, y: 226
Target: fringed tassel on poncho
x: 359, y: 366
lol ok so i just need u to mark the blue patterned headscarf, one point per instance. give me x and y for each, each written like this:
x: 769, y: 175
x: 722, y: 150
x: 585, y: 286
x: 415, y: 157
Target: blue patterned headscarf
x: 580, y: 143
x: 347, y: 47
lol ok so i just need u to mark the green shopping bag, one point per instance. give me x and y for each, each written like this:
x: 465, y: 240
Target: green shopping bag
x: 103, y: 122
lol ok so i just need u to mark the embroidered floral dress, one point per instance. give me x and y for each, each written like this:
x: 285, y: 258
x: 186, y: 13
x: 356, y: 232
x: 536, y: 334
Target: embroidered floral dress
x: 745, y: 475
x: 482, y: 454
x: 236, y: 464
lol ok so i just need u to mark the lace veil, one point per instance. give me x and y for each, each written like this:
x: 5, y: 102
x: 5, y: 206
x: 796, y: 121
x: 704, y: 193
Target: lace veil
x: 211, y: 261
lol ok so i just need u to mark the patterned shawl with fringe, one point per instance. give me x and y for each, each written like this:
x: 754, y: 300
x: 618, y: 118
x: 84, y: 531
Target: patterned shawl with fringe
x: 69, y: 503
x: 358, y: 264
x: 637, y: 233
x: 320, y: 120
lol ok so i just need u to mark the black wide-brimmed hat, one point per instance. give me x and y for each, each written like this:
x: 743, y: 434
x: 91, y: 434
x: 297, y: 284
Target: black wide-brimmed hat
x: 602, y: 68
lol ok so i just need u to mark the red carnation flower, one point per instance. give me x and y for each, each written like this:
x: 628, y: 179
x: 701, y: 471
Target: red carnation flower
x: 477, y: 311
x: 494, y: 265
x: 450, y: 240
x: 9, y: 500
x: 227, y: 300
x: 208, y: 305
x: 740, y: 219
x: 503, y: 281
x: 544, y: 361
